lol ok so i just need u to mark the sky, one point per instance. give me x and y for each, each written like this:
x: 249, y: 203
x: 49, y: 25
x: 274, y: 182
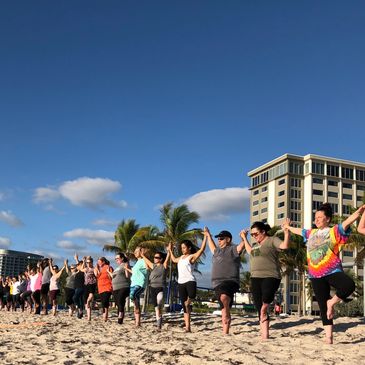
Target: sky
x: 110, y: 109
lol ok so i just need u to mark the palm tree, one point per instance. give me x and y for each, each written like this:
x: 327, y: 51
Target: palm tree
x: 176, y: 222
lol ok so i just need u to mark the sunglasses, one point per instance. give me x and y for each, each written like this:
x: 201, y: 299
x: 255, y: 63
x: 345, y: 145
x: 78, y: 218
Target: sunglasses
x: 157, y: 257
x: 221, y: 238
x: 255, y: 234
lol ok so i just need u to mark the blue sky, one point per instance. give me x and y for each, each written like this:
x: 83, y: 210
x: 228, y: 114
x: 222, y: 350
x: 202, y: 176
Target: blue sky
x: 110, y: 109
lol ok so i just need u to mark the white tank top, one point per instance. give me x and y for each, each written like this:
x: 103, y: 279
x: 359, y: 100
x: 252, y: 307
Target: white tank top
x: 185, y: 270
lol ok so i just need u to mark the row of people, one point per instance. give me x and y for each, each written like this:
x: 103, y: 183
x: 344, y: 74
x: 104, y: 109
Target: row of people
x: 84, y: 279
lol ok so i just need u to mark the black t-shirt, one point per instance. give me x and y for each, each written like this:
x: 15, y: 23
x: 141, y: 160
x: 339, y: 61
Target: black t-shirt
x: 79, y: 280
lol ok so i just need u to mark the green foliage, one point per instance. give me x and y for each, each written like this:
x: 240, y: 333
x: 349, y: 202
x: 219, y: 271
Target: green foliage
x: 351, y: 309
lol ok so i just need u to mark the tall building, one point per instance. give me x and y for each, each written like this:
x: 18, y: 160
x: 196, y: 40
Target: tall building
x: 14, y: 262
x: 295, y: 186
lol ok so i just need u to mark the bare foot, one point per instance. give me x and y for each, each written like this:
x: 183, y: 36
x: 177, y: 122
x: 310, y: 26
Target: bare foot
x: 330, y: 309
x: 263, y: 313
x: 329, y: 340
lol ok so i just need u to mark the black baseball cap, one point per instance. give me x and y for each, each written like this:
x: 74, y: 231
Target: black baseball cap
x: 224, y: 234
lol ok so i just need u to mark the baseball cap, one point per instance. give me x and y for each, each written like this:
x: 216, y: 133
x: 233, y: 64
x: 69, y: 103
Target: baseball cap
x: 224, y: 234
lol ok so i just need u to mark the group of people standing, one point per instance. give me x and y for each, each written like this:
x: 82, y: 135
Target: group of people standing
x: 37, y: 286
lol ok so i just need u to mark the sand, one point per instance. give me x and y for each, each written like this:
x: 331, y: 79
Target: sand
x: 29, y: 339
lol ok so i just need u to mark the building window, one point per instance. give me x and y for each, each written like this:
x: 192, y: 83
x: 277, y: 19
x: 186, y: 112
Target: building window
x: 317, y: 192
x: 256, y: 212
x: 332, y: 194
x: 346, y: 209
x: 332, y: 183
x: 264, y: 189
x: 295, y: 217
x: 264, y: 177
x: 264, y: 220
x: 295, y: 194
x: 281, y: 182
x: 294, y: 299
x: 295, y: 205
x: 255, y: 181
x: 255, y: 202
x: 296, y: 168
x: 281, y: 204
x: 347, y: 173
x: 348, y: 253
x: 318, y: 168
x: 263, y: 200
x: 334, y: 207
x: 316, y: 205
x: 347, y: 186
x: 281, y: 193
x: 297, y: 183
x: 264, y: 210
x: 360, y: 187
x: 347, y: 196
x: 332, y: 170
x: 360, y: 198
x: 281, y: 215
x: 360, y: 175
x: 255, y: 192
x: 317, y: 180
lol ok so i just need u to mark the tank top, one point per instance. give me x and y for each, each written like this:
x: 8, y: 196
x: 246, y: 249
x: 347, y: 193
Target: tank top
x: 185, y: 270
x: 90, y: 277
x: 53, y: 284
x: 104, y: 280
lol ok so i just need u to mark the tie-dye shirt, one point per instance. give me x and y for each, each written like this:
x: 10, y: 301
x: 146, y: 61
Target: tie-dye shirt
x: 323, y: 248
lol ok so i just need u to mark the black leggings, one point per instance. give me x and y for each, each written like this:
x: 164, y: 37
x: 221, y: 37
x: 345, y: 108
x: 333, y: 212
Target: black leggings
x: 187, y: 290
x: 120, y: 296
x: 263, y: 291
x: 343, y: 284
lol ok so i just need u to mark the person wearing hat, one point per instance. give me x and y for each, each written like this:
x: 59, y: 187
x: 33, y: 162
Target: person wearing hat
x: 225, y: 271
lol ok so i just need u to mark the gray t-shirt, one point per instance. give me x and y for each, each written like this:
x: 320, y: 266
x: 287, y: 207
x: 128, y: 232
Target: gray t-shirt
x: 46, y: 275
x: 226, y: 265
x: 119, y: 279
x: 70, y: 280
x: 158, y: 276
x: 264, y: 259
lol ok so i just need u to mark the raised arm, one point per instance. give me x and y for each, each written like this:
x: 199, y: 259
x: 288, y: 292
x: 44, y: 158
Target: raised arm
x: 173, y: 258
x: 243, y: 235
x: 211, y: 242
x: 50, y: 264
x: 200, y: 251
x: 66, y: 266
x: 353, y: 217
x: 361, y: 226
x: 147, y: 262
x: 294, y: 230
x: 167, y: 259
x: 285, y: 226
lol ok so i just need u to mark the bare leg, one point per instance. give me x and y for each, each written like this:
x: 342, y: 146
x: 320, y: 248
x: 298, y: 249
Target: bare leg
x: 264, y: 321
x: 331, y: 306
x: 226, y: 313
x: 137, y: 313
x: 187, y: 322
x: 89, y: 305
x: 329, y: 334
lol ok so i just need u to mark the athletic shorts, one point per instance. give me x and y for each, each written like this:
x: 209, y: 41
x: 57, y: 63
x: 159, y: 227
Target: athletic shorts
x: 45, y: 289
x: 187, y: 290
x: 226, y: 287
x: 105, y: 298
x: 89, y: 289
x: 53, y: 294
x: 154, y: 293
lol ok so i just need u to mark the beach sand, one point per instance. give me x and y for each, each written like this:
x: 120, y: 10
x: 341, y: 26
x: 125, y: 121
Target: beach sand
x: 30, y: 339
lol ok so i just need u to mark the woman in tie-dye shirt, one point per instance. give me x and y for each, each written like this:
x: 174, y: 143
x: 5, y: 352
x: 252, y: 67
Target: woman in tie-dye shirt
x: 324, y: 244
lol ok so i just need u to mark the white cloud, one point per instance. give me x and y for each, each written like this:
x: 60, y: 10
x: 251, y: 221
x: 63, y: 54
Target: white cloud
x: 97, y: 237
x: 69, y: 245
x: 45, y: 195
x: 105, y: 222
x: 219, y: 204
x: 49, y: 254
x: 9, y: 218
x: 5, y: 242
x: 84, y: 191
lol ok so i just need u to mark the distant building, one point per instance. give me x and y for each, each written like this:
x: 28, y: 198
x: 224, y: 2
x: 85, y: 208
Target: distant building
x: 14, y: 262
x: 295, y: 186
